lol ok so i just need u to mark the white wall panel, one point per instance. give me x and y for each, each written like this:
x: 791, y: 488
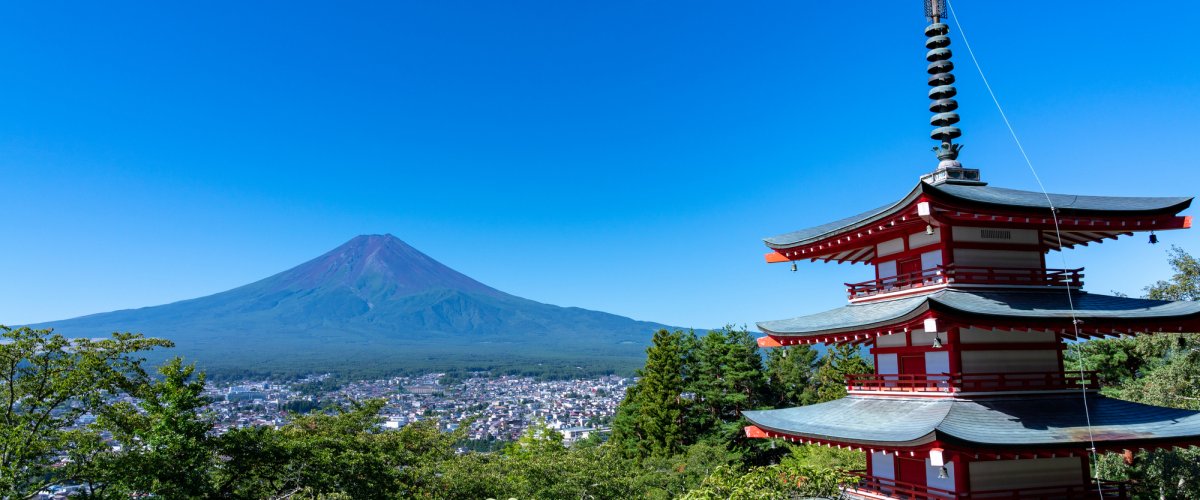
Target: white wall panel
x: 883, y: 465
x: 930, y: 260
x: 1034, y: 473
x: 890, y: 247
x: 893, y: 340
x: 921, y: 239
x: 888, y: 364
x: 937, y: 362
x: 932, y: 479
x: 887, y: 269
x: 971, y: 257
x: 994, y: 235
x: 1009, y: 361
x: 981, y: 336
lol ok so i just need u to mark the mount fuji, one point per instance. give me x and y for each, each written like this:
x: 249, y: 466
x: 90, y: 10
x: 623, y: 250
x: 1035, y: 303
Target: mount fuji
x: 375, y: 303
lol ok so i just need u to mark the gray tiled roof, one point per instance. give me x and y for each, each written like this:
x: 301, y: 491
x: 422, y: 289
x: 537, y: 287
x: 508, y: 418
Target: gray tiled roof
x: 1067, y: 204
x: 1050, y: 303
x: 848, y: 317
x: 1025, y: 421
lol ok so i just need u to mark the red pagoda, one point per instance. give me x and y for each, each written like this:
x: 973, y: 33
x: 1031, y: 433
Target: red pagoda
x: 967, y: 327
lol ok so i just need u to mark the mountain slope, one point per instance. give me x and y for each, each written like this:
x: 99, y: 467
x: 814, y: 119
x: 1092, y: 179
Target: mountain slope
x: 374, y: 299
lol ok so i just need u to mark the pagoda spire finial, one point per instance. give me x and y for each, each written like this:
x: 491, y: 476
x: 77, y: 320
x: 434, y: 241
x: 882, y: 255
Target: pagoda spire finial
x: 942, y: 100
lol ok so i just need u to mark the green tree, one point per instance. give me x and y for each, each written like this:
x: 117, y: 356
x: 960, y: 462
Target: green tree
x: 650, y: 422
x: 1161, y: 369
x: 166, y: 448
x: 790, y: 375
x: 840, y: 360
x: 726, y: 377
x: 49, y: 383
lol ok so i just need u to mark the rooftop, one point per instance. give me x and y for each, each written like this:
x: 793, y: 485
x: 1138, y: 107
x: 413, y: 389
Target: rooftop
x: 1050, y: 421
x: 1034, y: 308
x: 995, y: 198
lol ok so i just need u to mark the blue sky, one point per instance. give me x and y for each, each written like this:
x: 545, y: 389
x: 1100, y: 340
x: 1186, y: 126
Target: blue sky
x: 620, y: 156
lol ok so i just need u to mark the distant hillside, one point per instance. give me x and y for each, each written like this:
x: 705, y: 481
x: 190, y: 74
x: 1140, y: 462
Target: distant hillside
x: 376, y: 304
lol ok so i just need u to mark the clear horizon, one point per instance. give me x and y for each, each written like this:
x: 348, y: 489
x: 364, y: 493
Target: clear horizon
x: 624, y: 157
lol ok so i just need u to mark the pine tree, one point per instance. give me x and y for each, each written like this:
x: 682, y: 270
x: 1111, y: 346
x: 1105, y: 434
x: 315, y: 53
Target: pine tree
x: 726, y: 378
x: 790, y: 374
x: 840, y: 360
x: 650, y: 422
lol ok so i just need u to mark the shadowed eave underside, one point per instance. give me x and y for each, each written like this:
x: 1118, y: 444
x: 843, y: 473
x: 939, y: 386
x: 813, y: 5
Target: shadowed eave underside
x: 988, y: 197
x: 1052, y: 421
x: 1028, y: 306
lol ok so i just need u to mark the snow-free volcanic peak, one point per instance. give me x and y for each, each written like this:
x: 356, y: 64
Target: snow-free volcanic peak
x: 374, y: 301
x: 377, y: 264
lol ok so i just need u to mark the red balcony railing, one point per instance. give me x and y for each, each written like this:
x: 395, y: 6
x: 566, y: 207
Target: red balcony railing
x: 1008, y: 276
x: 973, y: 382
x: 909, y: 491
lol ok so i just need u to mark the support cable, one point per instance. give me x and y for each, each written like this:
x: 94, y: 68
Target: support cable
x: 1058, y: 235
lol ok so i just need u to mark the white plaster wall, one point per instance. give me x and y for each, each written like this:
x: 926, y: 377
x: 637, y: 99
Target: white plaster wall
x: 883, y: 465
x: 971, y: 257
x: 975, y: 235
x: 1009, y: 361
x: 930, y: 260
x: 891, y: 340
x: 931, y: 476
x: 981, y: 336
x: 887, y: 269
x: 923, y: 338
x: 1033, y: 473
x: 937, y: 362
x: 921, y: 239
x: 890, y: 247
x: 888, y: 364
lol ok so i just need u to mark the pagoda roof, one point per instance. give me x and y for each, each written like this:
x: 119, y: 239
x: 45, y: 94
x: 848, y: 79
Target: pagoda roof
x: 983, y: 196
x: 1047, y: 421
x: 1050, y: 304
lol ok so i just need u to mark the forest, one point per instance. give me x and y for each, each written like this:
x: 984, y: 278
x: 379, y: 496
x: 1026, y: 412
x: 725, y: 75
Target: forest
x: 678, y: 433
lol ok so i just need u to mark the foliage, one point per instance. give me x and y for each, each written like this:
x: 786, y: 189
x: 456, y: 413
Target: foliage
x: 797, y: 475
x: 1161, y: 369
x: 840, y: 360
x: 725, y: 377
x: 165, y: 446
x: 650, y: 421
x: 49, y: 383
x: 678, y: 433
x: 790, y: 375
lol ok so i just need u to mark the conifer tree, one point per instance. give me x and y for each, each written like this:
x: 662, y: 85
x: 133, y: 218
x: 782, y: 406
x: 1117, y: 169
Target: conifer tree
x: 651, y: 420
x: 727, y: 378
x: 790, y: 375
x: 840, y: 360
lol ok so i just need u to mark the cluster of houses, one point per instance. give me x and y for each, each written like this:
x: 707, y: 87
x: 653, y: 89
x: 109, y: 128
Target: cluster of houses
x: 499, y: 408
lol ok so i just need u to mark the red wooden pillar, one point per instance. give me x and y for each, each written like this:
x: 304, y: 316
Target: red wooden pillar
x: 962, y: 471
x: 955, y: 353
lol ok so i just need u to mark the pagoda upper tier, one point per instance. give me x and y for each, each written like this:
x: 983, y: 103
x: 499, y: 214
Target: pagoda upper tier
x: 930, y: 207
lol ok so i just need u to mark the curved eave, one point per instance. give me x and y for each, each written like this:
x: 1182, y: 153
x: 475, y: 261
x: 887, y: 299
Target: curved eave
x: 1100, y: 314
x: 1066, y: 204
x: 818, y: 233
x: 987, y: 198
x: 1026, y: 423
x: 851, y: 318
x: 857, y: 420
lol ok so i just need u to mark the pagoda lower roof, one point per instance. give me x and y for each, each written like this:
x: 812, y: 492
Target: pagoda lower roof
x: 988, y: 197
x: 1051, y: 306
x: 1029, y: 422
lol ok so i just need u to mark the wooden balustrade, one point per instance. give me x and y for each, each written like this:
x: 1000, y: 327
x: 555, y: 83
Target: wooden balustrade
x: 908, y: 491
x: 1007, y: 276
x: 973, y: 382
